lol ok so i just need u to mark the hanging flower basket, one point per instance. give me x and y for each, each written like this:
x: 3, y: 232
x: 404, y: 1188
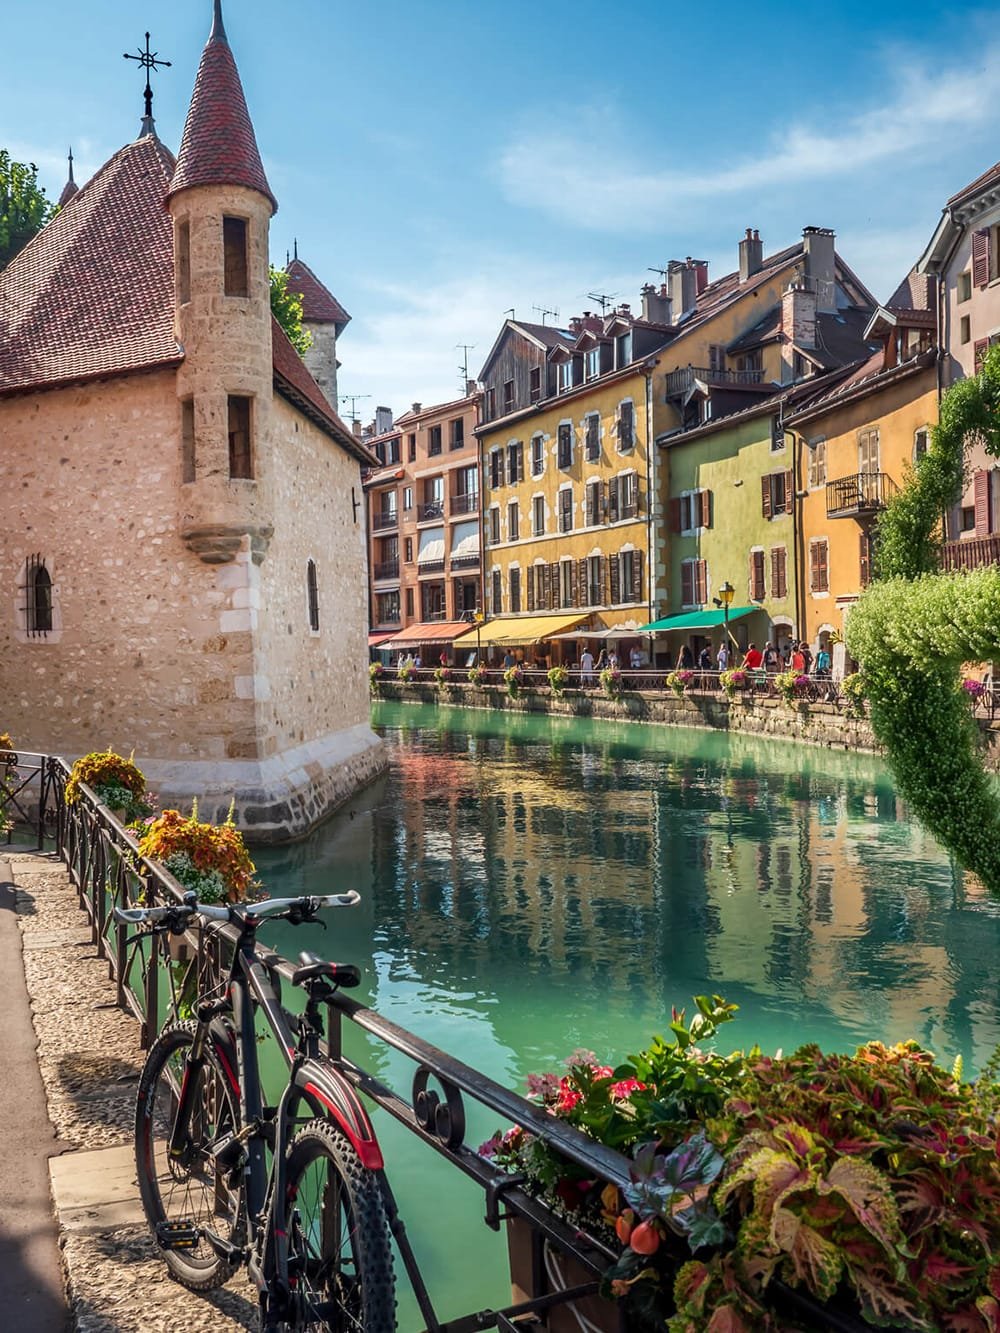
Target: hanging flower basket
x: 558, y: 679
x: 733, y: 681
x: 116, y: 781
x: 210, y: 859
x: 679, y: 681
x: 514, y: 679
x: 375, y: 673
x: 477, y: 675
x: 611, y: 681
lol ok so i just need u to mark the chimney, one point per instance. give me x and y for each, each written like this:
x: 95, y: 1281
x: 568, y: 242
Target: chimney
x: 356, y: 428
x: 576, y: 326
x: 470, y: 388
x: 656, y: 304
x: 701, y: 274
x: 751, y: 255
x: 818, y: 247
x: 383, y: 420
x: 592, y: 322
x: 415, y: 407
x: 682, y: 280
x: 798, y: 324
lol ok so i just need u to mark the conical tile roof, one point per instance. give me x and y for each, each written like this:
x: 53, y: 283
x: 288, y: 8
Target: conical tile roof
x: 219, y: 146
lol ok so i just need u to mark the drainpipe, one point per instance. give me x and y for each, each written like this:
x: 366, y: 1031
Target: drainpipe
x: 798, y: 555
x: 653, y: 495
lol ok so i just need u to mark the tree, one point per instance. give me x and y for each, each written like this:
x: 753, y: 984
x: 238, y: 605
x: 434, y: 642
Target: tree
x: 286, y: 306
x: 24, y: 209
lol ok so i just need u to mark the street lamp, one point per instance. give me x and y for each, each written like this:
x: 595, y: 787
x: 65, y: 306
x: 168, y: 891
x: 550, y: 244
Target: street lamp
x: 725, y: 599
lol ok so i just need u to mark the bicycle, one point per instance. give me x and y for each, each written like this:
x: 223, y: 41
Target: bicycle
x: 312, y: 1226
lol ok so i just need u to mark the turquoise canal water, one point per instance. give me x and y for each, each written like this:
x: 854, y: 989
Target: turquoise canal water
x: 533, y: 884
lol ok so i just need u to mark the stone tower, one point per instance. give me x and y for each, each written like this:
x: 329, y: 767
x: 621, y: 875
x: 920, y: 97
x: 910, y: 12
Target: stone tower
x: 221, y: 206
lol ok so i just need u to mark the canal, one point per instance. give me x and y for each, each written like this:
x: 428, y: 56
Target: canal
x: 535, y: 884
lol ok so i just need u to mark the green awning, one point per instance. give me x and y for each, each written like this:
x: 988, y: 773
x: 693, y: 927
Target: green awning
x: 697, y: 620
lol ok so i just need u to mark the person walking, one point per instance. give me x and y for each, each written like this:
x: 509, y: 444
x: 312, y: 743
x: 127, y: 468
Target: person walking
x: 586, y: 668
x: 722, y: 656
x: 771, y: 659
x: 807, y: 656
x: 685, y: 658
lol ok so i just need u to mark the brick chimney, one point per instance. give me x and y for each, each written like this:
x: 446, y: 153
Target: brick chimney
x: 356, y: 427
x: 415, y: 408
x: 594, y: 323
x: 576, y: 325
x: 751, y: 254
x: 798, y: 324
x: 656, y: 303
x: 682, y: 283
x: 818, y: 245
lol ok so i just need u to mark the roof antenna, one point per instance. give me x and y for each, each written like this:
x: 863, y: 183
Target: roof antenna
x: 599, y: 298
x: 295, y: 243
x: 543, y: 312
x: 148, y: 60
x: 466, y: 348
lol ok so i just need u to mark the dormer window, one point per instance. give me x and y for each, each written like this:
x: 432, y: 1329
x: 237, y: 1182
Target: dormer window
x: 535, y: 391
x: 623, y: 350
x: 234, y: 245
x: 565, y: 376
x: 593, y: 363
x: 508, y: 396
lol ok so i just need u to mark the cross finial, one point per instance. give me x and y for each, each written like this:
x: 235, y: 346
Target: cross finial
x: 148, y: 60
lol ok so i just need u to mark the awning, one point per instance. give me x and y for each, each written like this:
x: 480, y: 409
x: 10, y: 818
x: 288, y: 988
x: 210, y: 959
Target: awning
x: 602, y: 634
x: 379, y: 636
x: 697, y: 620
x: 430, y: 631
x: 431, y: 546
x: 519, y: 629
x: 464, y: 540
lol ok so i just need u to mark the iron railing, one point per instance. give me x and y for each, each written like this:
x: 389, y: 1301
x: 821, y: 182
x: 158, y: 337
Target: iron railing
x: 680, y: 381
x: 466, y: 561
x: 431, y: 510
x: 384, y: 518
x: 388, y: 569
x: 860, y: 493
x: 466, y: 503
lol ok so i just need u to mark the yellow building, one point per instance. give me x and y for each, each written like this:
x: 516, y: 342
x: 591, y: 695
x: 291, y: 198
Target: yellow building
x: 853, y: 447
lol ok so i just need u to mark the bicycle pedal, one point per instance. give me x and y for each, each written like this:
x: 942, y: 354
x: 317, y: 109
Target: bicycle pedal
x: 177, y: 1235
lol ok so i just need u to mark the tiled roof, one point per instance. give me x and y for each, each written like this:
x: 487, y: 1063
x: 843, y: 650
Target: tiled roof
x: 983, y: 182
x: 293, y: 381
x: 93, y: 293
x: 915, y: 292
x: 866, y: 378
x: 68, y: 191
x: 319, y: 305
x: 219, y: 146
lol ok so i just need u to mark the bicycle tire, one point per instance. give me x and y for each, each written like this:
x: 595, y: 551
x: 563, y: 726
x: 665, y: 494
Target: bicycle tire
x: 193, y: 1190
x: 340, y: 1256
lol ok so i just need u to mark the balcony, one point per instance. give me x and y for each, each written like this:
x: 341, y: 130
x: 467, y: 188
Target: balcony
x: 680, y: 381
x: 859, y: 494
x: 431, y: 510
x: 971, y: 554
x: 464, y: 504
x: 430, y: 567
x: 434, y: 615
x: 387, y: 518
x: 388, y: 569
x: 465, y: 561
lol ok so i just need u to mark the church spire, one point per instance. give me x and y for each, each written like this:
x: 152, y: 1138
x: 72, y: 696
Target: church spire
x: 219, y: 146
x: 71, y: 187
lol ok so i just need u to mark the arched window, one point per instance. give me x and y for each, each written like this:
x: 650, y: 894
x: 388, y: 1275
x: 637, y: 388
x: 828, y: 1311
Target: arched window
x: 312, y: 592
x: 38, y: 601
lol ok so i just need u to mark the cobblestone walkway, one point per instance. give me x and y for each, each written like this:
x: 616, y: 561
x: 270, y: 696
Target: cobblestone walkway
x: 90, y: 1061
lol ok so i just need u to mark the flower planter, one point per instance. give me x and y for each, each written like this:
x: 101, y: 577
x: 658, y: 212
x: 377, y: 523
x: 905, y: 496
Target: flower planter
x: 538, y: 1268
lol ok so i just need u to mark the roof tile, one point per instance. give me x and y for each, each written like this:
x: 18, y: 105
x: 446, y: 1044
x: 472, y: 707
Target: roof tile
x: 319, y: 305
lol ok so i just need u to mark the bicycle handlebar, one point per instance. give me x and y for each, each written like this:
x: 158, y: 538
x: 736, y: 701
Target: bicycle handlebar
x: 137, y: 916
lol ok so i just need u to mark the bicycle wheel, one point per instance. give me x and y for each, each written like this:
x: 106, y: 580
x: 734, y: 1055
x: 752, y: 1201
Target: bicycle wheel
x: 190, y: 1192
x: 339, y: 1256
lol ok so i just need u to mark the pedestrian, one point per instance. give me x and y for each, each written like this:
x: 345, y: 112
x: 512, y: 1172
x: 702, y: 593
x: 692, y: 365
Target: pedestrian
x: 509, y: 659
x: 823, y: 663
x: 586, y: 667
x: 602, y: 659
x: 722, y: 657
x: 635, y: 657
x: 771, y: 659
x: 613, y: 660
x: 807, y: 656
x: 753, y: 658
x: 443, y: 659
x: 685, y: 658
x: 705, y: 665
x: 798, y: 661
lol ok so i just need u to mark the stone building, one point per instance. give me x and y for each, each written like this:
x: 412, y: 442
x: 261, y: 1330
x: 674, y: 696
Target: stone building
x: 324, y: 318
x: 183, y: 563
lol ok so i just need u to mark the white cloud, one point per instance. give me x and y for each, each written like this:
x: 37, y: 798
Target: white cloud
x: 924, y: 107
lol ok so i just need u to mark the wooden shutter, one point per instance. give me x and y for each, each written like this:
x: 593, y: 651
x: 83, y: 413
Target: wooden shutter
x: 765, y: 496
x: 574, y: 585
x: 981, y: 257
x: 675, y: 515
x: 515, y: 590
x: 756, y: 576
x: 582, y: 589
x: 705, y: 505
x: 625, y: 431
x: 979, y: 349
x: 637, y: 586
x: 554, y: 586
x: 531, y: 587
x: 701, y: 582
x: 789, y: 491
x: 779, y: 578
x: 865, y: 559
x: 982, y: 493
x: 687, y: 583
x: 616, y: 580
x: 613, y: 513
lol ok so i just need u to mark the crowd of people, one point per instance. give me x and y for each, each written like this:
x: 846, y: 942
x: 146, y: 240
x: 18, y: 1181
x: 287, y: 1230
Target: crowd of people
x: 770, y: 659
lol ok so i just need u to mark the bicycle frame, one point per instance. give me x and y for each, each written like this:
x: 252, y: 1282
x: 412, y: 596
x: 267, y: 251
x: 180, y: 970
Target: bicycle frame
x: 312, y: 1080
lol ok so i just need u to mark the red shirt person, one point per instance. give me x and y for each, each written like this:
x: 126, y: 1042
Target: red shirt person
x: 754, y: 658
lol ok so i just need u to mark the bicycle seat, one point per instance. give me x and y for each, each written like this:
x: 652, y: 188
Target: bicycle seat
x: 313, y: 967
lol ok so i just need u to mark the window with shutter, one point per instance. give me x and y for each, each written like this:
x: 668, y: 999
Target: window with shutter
x: 864, y: 559
x: 779, y: 583
x: 531, y: 588
x: 817, y: 464
x: 757, y: 576
x: 626, y: 426
x: 789, y: 477
x: 819, y: 578
x: 574, y: 585
x: 628, y: 500
x: 982, y: 499
x: 537, y: 456
x: 637, y: 585
x: 602, y: 579
x: 701, y: 582
x: 868, y: 450
x: 566, y: 510
x: 538, y: 515
x: 553, y: 584
x: 979, y: 350
x: 981, y: 257
x: 497, y: 593
x: 582, y: 588
x: 765, y: 496
x: 687, y: 582
x: 494, y: 526
x: 565, y: 445
x: 613, y: 500
x: 513, y: 521
x: 542, y: 587
x: 705, y: 509
x: 496, y: 468
x: 616, y: 581
x: 593, y: 503
x: 515, y: 591
x: 592, y: 437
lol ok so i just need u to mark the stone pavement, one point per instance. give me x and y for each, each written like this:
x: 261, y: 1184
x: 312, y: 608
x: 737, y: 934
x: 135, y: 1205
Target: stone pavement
x: 89, y: 1057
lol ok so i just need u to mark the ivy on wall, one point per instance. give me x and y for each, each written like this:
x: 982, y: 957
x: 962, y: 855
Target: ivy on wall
x: 914, y: 627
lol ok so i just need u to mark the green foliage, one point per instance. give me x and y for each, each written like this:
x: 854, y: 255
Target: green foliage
x: 286, y: 306
x: 913, y: 628
x: 733, y: 680
x: 855, y: 692
x: 514, y: 678
x: 24, y: 209
x: 558, y: 679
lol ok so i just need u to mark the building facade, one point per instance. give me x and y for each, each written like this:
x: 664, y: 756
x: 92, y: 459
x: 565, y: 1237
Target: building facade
x: 184, y: 556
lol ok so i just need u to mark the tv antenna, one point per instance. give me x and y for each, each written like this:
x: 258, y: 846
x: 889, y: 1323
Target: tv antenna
x: 663, y: 272
x: 465, y: 348
x: 602, y: 299
x: 510, y: 312
x: 543, y: 312
x: 353, y: 399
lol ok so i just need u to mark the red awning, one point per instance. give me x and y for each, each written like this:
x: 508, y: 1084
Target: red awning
x: 430, y: 631
x: 379, y: 636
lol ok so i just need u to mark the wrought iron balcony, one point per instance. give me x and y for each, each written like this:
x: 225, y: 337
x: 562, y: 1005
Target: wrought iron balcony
x: 431, y: 510
x: 971, y: 554
x: 859, y: 494
x: 388, y: 569
x: 386, y: 518
x: 465, y: 504
x: 680, y: 381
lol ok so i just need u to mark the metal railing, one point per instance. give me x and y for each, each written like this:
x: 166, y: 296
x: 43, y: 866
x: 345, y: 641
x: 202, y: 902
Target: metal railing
x: 382, y: 519
x: 859, y: 493
x: 387, y: 569
x: 430, y: 510
x: 466, y: 561
x: 680, y: 381
x: 465, y: 503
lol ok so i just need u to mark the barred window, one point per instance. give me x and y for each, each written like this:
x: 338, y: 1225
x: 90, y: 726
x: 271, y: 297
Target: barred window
x: 37, y: 593
x: 312, y: 595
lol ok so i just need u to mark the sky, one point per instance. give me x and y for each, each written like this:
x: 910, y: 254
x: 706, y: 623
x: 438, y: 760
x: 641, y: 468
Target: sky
x: 444, y: 162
